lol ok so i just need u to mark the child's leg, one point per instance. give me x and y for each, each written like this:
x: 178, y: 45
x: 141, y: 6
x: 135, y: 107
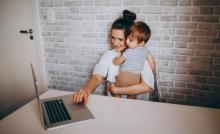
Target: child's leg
x: 125, y: 79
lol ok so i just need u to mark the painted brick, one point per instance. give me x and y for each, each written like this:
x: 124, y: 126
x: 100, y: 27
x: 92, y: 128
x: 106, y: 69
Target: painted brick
x: 166, y: 38
x: 202, y: 53
x: 199, y: 93
x: 181, y: 90
x: 89, y: 35
x: 46, y: 3
x: 179, y: 84
x: 151, y: 10
x: 182, y: 52
x: 193, y: 98
x: 133, y: 3
x: 166, y: 31
x: 199, y: 86
x: 166, y: 57
x: 199, y: 79
x: 181, y: 77
x: 165, y: 83
x: 180, y: 71
x: 201, y: 60
x: 166, y: 95
x: 199, y: 72
x: 163, y: 63
x: 203, y: 33
x: 180, y: 44
x: 184, y: 38
x: 178, y: 96
x: 217, y: 10
x: 185, y: 25
x: 152, y: 18
x: 168, y: 18
x: 217, y: 73
x: 115, y: 2
x: 168, y: 10
x: 152, y: 2
x: 180, y: 58
x: 58, y: 3
x: 168, y: 2
x: 181, y: 64
x: 205, y: 26
x: 206, y: 10
x: 205, y: 18
x: 186, y: 10
x: 166, y: 69
x: 102, y: 2
x: 182, y: 32
x: 165, y: 44
x: 216, y: 40
x: 184, y: 2
x: 72, y: 3
x: 200, y: 46
x: 205, y: 2
x: 73, y: 17
x: 183, y: 18
x: 217, y: 60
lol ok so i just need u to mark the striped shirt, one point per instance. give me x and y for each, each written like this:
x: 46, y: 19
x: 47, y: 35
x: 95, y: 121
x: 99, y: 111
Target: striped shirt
x: 134, y: 59
x: 106, y: 68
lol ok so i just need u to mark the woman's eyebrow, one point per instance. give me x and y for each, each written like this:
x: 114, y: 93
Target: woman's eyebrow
x: 120, y: 38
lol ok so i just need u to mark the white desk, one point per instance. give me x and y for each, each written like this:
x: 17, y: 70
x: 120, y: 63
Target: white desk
x: 119, y: 116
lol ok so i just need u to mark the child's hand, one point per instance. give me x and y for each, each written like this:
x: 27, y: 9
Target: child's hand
x: 111, y: 88
x: 118, y: 60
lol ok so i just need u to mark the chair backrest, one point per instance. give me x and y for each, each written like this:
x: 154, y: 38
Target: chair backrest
x: 154, y: 95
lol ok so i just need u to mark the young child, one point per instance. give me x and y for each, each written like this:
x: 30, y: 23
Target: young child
x: 133, y: 59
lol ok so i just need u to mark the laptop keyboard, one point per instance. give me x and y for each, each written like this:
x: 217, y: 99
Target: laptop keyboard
x: 57, y: 111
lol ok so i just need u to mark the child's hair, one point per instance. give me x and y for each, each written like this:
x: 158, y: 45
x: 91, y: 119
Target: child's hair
x: 124, y: 22
x: 140, y: 31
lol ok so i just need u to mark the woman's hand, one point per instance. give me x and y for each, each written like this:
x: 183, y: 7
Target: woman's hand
x: 80, y: 96
x: 113, y: 89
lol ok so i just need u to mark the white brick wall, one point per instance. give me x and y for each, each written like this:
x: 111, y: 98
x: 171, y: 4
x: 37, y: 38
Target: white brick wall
x: 185, y: 41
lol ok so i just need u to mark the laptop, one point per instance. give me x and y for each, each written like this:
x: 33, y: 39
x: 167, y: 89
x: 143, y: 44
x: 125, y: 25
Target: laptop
x: 60, y: 110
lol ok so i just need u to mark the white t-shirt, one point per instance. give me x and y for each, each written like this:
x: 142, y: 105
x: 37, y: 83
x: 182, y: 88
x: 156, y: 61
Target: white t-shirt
x: 107, y: 69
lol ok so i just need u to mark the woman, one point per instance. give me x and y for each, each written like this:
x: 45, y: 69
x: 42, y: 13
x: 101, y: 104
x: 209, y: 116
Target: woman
x: 105, y: 66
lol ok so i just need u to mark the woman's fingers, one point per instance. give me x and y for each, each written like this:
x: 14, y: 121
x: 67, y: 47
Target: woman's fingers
x: 80, y: 96
x: 75, y: 96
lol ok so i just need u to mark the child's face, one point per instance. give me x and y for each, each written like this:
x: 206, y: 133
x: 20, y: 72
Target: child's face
x: 132, y: 42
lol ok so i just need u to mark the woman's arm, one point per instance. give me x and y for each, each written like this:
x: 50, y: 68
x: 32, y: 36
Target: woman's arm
x: 93, y: 82
x: 82, y: 94
x: 100, y: 71
x: 131, y: 90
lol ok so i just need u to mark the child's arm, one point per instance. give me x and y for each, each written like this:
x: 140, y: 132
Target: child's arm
x: 118, y: 60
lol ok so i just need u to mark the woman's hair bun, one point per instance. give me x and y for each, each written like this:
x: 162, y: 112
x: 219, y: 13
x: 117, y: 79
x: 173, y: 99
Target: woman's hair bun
x: 129, y: 15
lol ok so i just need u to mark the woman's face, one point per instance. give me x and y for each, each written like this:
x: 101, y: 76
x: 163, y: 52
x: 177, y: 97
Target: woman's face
x: 118, y: 39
